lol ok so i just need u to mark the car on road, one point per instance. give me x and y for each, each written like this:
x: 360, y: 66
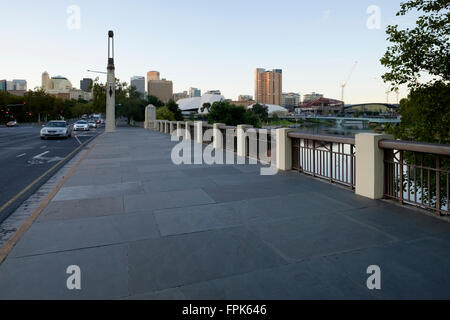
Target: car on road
x: 92, y: 123
x: 12, y: 123
x: 82, y: 125
x: 56, y: 129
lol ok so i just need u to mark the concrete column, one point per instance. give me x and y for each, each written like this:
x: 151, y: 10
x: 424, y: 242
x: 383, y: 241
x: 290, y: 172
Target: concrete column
x: 172, y: 125
x: 179, y: 123
x: 241, y: 140
x: 284, y: 149
x: 167, y: 129
x: 217, y: 134
x: 150, y: 116
x: 199, y: 132
x: 369, y: 165
x: 187, y: 134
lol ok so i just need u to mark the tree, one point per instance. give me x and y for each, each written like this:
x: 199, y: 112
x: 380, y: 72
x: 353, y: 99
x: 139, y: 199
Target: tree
x: 426, y: 114
x: 154, y: 101
x: 261, y: 111
x: 206, y: 106
x: 224, y: 112
x: 173, y: 107
x: 423, y: 49
x: 163, y: 113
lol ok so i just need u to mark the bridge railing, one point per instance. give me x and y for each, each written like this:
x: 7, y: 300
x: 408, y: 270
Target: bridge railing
x: 417, y: 174
x: 324, y: 156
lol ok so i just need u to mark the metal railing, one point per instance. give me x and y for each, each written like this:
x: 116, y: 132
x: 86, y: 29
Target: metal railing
x: 417, y: 174
x: 324, y: 156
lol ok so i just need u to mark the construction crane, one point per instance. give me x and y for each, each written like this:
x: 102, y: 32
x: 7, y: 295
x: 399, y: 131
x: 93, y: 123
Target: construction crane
x: 348, y: 79
x: 387, y: 89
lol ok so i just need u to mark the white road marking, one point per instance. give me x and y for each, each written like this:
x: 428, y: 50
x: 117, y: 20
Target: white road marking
x: 43, y: 147
x: 77, y: 139
x: 21, y: 155
x: 40, y: 155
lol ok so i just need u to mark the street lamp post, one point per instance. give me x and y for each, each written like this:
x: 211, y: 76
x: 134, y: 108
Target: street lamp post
x: 110, y: 87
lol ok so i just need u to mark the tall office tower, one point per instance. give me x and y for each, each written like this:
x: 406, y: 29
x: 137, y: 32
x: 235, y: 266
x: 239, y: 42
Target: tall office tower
x: 153, y: 75
x: 3, y: 85
x: 20, y: 85
x: 268, y: 86
x: 85, y: 84
x: 45, y: 81
x: 162, y: 89
x: 194, y: 92
x: 139, y: 83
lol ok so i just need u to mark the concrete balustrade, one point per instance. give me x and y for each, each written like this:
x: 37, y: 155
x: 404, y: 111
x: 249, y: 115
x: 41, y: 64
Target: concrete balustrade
x: 217, y: 136
x: 242, y: 139
x: 284, y: 149
x: 369, y: 168
x: 370, y: 165
x: 199, y: 132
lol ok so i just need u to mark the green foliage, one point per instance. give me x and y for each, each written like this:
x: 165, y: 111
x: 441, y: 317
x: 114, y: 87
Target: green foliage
x: 422, y: 49
x: 155, y: 101
x: 261, y: 111
x: 173, y: 107
x: 275, y: 117
x: 426, y: 114
x: 164, y: 113
x: 206, y: 106
x: 224, y: 112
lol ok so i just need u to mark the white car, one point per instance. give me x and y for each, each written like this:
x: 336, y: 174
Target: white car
x: 56, y: 129
x: 81, y: 125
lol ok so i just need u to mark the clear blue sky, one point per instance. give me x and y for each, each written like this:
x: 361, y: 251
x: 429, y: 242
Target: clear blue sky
x: 204, y: 44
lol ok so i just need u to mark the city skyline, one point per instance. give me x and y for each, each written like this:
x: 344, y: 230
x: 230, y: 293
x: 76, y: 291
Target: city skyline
x: 218, y: 62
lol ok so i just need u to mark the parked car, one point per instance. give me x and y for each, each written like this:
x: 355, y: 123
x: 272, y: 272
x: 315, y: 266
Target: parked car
x: 92, y: 124
x: 56, y: 129
x: 12, y: 123
x: 81, y: 125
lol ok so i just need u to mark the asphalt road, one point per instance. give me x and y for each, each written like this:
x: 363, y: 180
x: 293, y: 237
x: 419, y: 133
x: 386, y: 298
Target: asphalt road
x: 24, y: 157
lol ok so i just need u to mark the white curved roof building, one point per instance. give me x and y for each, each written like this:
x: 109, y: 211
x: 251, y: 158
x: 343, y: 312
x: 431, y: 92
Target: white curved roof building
x: 196, y: 103
x: 272, y: 108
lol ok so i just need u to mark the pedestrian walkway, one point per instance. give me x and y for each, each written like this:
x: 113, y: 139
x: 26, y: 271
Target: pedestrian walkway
x: 140, y: 227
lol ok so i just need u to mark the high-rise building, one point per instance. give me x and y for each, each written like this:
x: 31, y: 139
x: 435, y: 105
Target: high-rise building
x: 153, y: 75
x: 162, y: 89
x: 85, y: 84
x: 194, y: 92
x: 180, y: 95
x: 139, y: 83
x: 268, y: 86
x: 244, y: 97
x: 311, y: 97
x: 19, y: 85
x: 3, y: 85
x: 290, y: 99
x: 46, y: 84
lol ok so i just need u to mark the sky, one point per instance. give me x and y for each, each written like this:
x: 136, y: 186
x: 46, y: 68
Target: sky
x: 205, y: 44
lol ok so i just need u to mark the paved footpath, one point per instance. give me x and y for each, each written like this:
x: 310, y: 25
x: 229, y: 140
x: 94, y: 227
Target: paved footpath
x: 139, y: 226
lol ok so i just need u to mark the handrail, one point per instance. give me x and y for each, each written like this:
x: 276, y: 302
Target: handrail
x: 423, y: 147
x: 321, y: 137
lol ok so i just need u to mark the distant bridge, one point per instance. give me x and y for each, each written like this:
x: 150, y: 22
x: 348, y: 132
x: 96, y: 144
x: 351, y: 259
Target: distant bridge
x: 346, y: 119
